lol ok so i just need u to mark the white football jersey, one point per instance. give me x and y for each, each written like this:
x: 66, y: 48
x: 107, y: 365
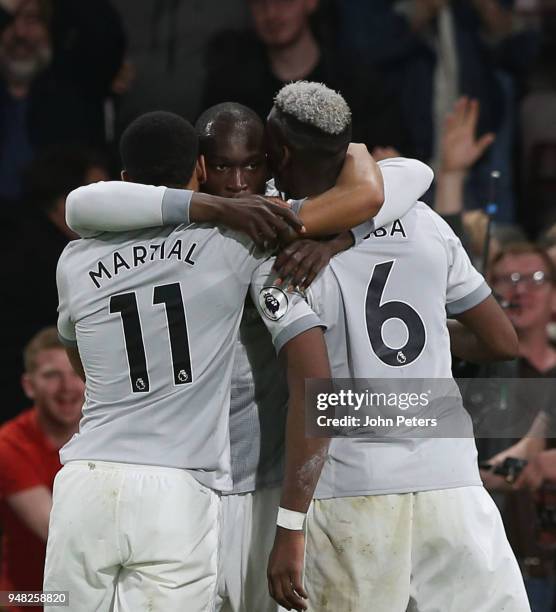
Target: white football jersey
x: 384, y: 303
x: 155, y: 315
x: 259, y: 389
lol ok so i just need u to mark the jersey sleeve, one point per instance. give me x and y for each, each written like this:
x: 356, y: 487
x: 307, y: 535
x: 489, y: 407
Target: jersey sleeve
x: 116, y: 206
x: 286, y: 314
x: 405, y: 181
x: 466, y: 287
x: 66, y: 326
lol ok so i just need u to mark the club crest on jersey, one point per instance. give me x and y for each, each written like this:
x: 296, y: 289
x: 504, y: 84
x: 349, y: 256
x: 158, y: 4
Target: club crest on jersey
x: 273, y: 302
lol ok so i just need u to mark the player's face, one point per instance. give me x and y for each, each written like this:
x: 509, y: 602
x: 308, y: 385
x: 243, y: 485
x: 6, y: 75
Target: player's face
x: 280, y: 23
x: 25, y: 42
x: 236, y: 165
x: 523, y: 280
x: 55, y: 388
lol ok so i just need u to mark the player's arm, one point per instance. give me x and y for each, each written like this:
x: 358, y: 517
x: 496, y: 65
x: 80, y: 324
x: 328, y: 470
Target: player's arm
x: 405, y: 181
x: 469, y: 300
x: 483, y: 333
x: 339, y: 209
x: 357, y: 196
x: 297, y: 336
x: 65, y: 323
x: 305, y: 357
x: 32, y: 506
x: 116, y: 206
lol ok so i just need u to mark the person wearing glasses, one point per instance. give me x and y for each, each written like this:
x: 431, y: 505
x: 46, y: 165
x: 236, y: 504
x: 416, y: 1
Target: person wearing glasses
x: 523, y: 276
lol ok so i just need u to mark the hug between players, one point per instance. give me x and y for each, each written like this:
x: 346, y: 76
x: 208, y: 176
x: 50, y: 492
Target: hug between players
x: 208, y: 282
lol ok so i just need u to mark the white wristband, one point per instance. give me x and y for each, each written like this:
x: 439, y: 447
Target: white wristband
x: 289, y: 519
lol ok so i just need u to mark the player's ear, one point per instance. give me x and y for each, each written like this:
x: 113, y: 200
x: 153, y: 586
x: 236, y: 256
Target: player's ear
x: 285, y: 157
x: 125, y: 176
x: 201, y: 170
x: 27, y: 386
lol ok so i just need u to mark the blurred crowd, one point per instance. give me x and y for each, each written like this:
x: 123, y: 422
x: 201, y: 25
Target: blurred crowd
x: 468, y: 86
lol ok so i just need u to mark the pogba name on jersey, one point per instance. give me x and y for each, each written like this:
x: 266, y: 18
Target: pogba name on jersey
x: 140, y: 255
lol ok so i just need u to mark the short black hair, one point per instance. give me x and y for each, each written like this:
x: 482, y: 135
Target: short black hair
x: 159, y: 148
x: 227, y: 113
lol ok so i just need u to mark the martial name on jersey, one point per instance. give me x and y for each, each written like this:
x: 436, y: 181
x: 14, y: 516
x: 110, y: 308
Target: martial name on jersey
x: 139, y: 255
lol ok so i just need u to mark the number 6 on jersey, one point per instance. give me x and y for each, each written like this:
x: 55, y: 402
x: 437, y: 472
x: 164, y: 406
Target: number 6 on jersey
x: 378, y: 312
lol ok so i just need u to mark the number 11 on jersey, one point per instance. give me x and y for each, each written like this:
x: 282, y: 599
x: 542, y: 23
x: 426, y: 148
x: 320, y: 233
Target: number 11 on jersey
x: 171, y: 298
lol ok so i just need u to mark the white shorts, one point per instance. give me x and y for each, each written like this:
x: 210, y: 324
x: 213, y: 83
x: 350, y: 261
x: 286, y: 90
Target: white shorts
x: 447, y: 550
x: 132, y: 537
x: 248, y: 528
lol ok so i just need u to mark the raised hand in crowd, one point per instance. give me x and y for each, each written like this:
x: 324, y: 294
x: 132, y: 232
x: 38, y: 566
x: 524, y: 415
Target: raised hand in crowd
x: 460, y: 146
x: 460, y: 149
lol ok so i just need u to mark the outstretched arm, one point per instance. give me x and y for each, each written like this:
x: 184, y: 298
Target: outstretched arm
x: 117, y: 206
x: 352, y: 202
x: 306, y: 357
x: 357, y: 196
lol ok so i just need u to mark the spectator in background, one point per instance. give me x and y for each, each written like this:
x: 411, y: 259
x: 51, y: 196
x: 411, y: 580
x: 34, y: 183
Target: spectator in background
x: 89, y: 46
x: 433, y: 52
x: 548, y: 241
x: 460, y: 149
x: 251, y: 67
x: 28, y: 284
x: 40, y: 105
x: 29, y: 460
x: 524, y: 276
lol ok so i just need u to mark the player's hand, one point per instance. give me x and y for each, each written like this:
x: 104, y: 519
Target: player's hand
x: 300, y: 262
x: 460, y: 146
x: 285, y: 570
x: 263, y: 220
